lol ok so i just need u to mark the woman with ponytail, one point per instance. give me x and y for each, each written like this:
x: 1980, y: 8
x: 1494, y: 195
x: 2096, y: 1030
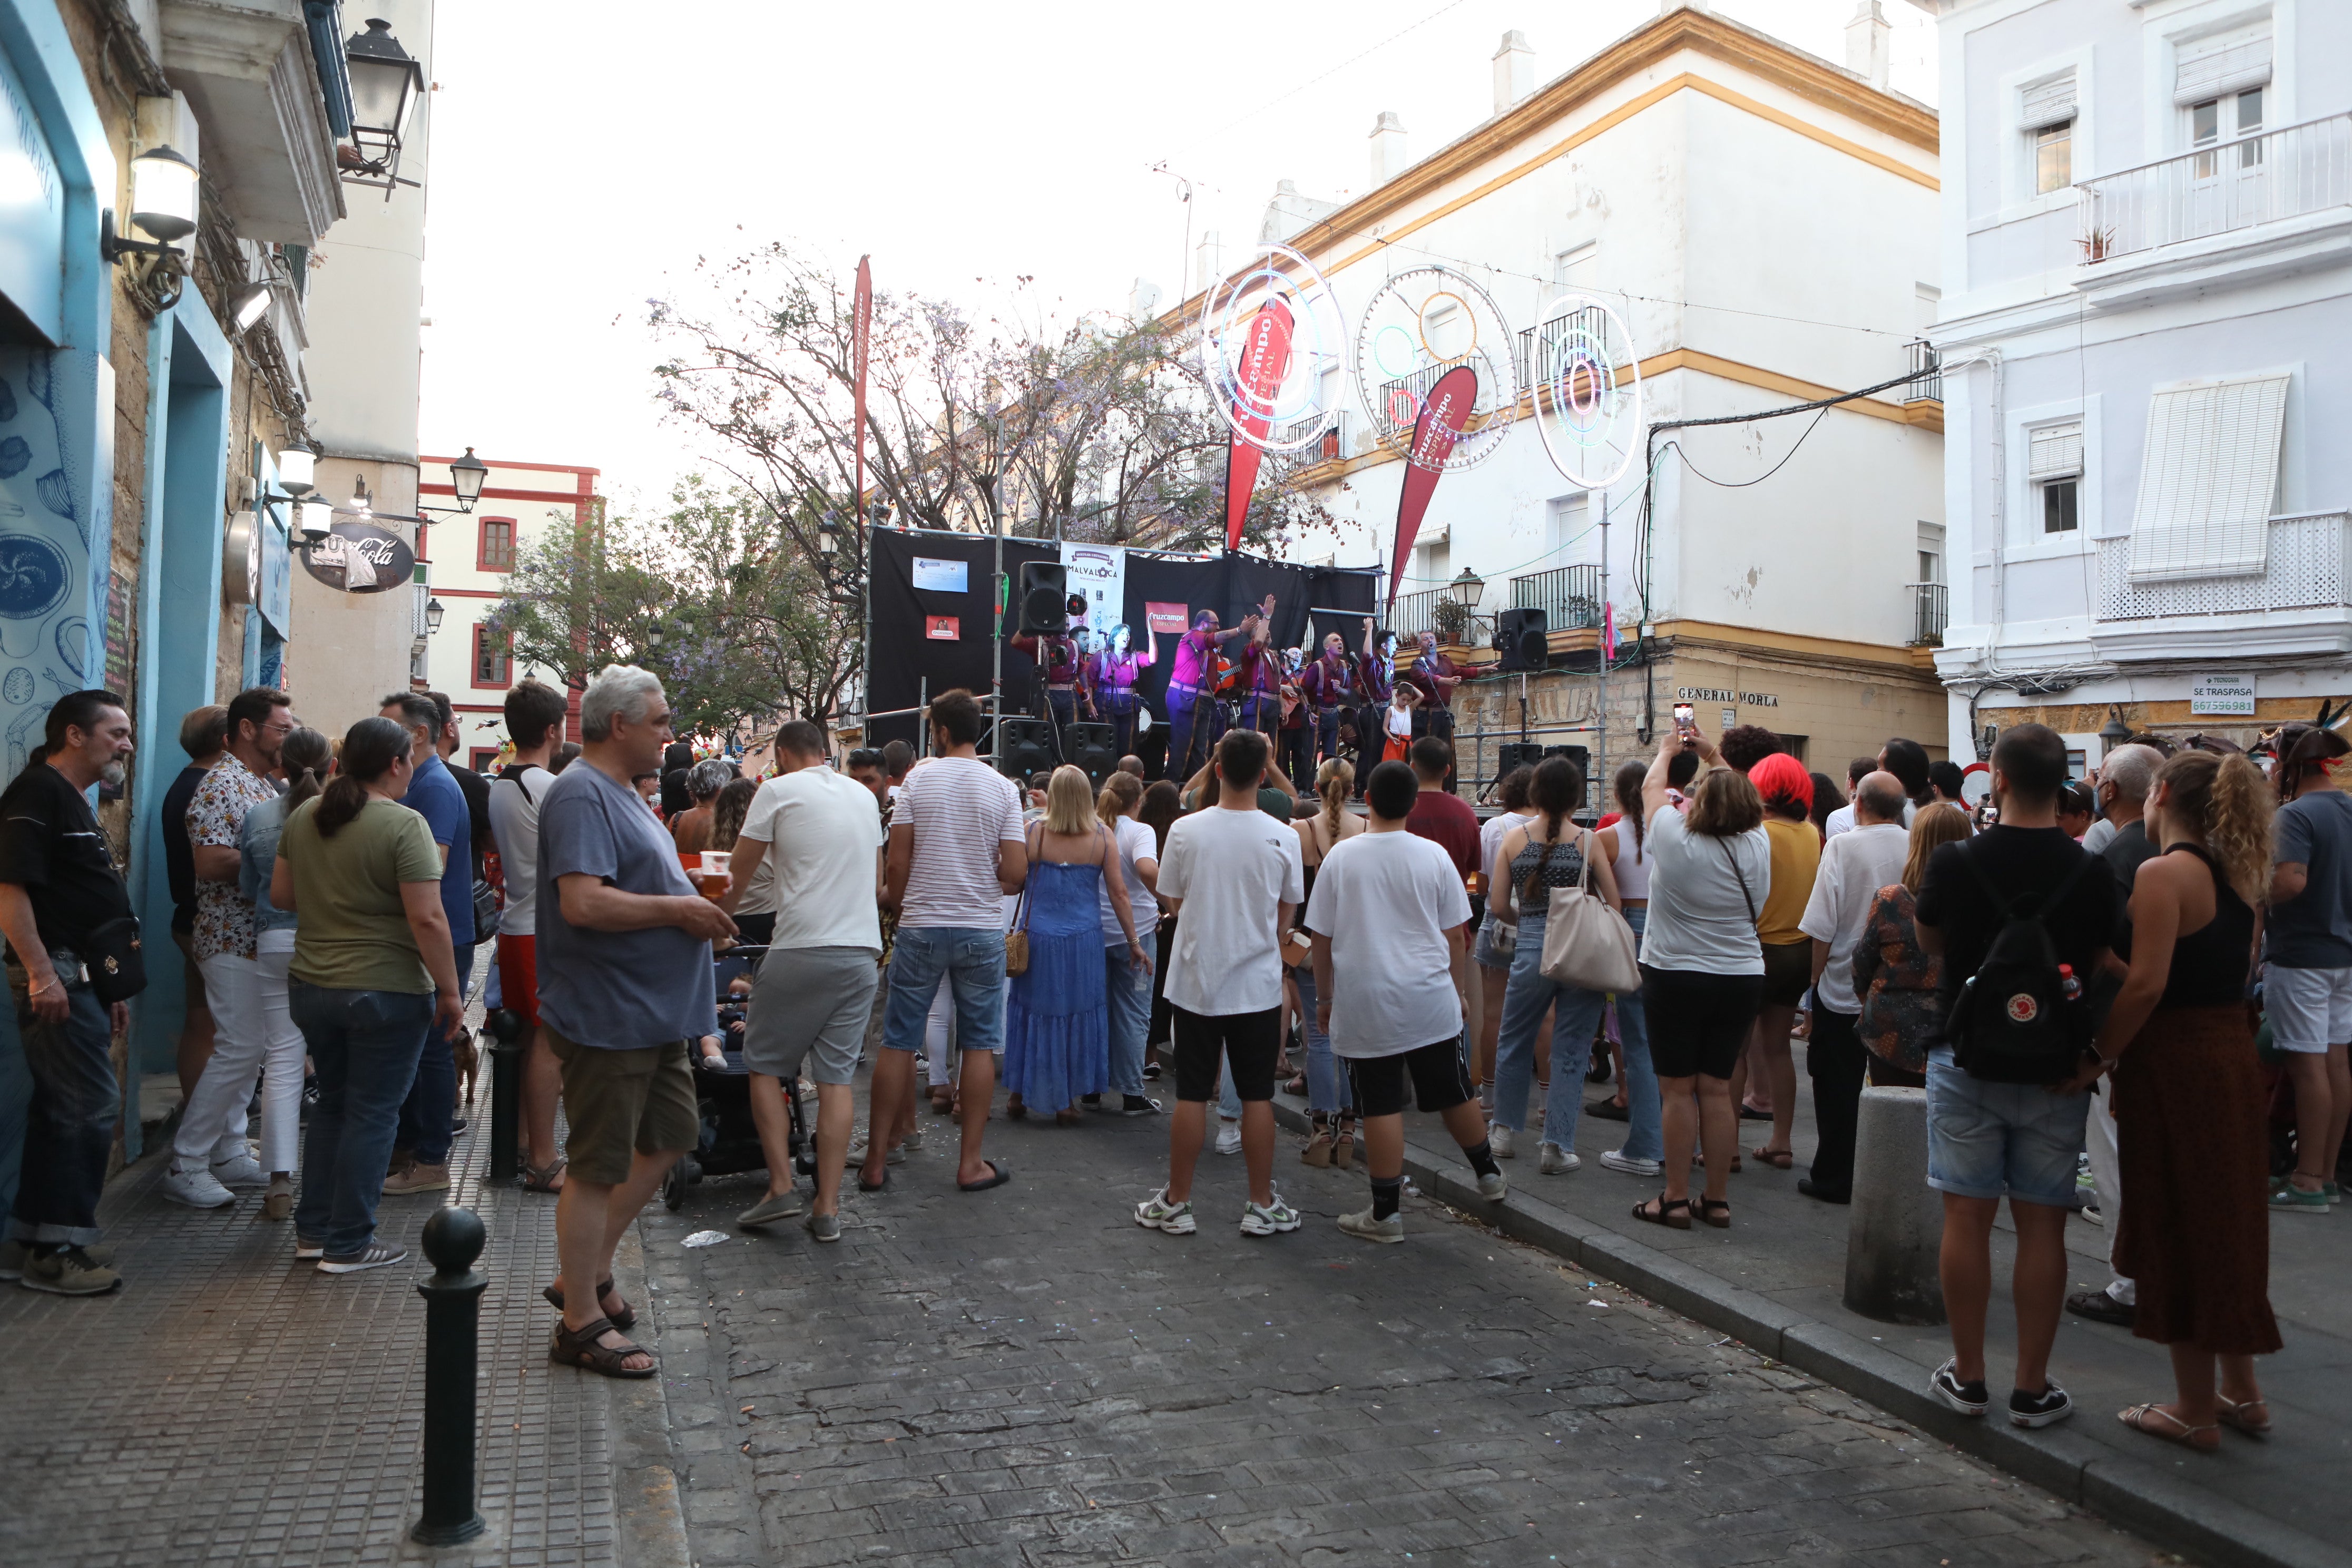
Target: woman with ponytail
x: 303, y: 755
x: 2190, y: 1110
x: 1334, y: 1141
x: 373, y: 970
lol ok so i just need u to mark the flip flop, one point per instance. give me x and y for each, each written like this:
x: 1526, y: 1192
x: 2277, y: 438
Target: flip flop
x: 998, y: 1177
x: 866, y: 1186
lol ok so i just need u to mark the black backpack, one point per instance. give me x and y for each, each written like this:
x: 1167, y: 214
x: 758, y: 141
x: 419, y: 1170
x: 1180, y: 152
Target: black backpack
x: 2013, y: 1022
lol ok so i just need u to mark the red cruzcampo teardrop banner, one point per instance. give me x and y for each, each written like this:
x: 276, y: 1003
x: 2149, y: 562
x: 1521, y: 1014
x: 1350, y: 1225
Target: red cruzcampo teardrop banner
x: 1443, y: 418
x: 1265, y: 362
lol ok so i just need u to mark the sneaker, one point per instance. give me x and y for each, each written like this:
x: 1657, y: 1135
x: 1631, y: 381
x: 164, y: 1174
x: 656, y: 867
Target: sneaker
x: 418, y: 1177
x: 2091, y: 1215
x: 1152, y: 1072
x: 2334, y: 1191
x: 1968, y: 1398
x: 69, y: 1271
x: 1137, y: 1105
x: 2288, y: 1198
x: 913, y: 1139
x: 1266, y: 1219
x: 1492, y: 1189
x: 1362, y: 1226
x: 1156, y: 1212
x: 244, y: 1170
x: 1498, y: 1141
x: 308, y: 1249
x: 199, y: 1190
x: 375, y: 1255
x: 1618, y: 1159
x: 823, y: 1226
x: 1556, y: 1160
x: 771, y: 1208
x: 1229, y: 1137
x: 13, y: 1256
x: 2045, y: 1408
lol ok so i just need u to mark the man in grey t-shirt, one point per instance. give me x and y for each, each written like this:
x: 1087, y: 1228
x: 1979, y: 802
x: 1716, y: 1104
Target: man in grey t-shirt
x: 624, y: 982
x: 2308, y: 973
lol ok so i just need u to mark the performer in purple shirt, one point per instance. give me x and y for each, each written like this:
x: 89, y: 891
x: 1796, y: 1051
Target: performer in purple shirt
x: 1196, y: 717
x: 1330, y: 686
x: 1261, y: 682
x: 1116, y: 668
x: 1436, y: 677
x: 1376, y: 678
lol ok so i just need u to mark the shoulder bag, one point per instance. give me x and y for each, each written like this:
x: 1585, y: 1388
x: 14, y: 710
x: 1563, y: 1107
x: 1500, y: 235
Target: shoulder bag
x: 1017, y: 941
x: 1586, y: 943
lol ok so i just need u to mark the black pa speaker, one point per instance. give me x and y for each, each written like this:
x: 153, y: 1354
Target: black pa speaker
x: 1044, y: 598
x: 1089, y: 746
x: 1581, y: 756
x: 1025, y: 747
x: 1520, y: 638
x: 1513, y: 755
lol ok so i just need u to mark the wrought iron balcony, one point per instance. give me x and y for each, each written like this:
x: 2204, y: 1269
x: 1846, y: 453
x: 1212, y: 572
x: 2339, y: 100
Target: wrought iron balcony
x: 1930, y: 613
x: 1927, y: 383
x: 2288, y: 172
x: 1569, y: 597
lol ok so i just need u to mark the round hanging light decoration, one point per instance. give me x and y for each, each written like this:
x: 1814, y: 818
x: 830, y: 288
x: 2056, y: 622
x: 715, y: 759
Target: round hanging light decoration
x: 1421, y: 324
x: 1588, y: 390
x: 1267, y: 335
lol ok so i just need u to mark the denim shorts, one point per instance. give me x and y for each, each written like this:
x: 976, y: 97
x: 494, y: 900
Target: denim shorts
x: 1485, y: 953
x: 1988, y: 1140
x: 2309, y: 1009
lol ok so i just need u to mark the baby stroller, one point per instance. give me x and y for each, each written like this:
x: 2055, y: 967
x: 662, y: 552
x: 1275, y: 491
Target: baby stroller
x: 730, y: 1140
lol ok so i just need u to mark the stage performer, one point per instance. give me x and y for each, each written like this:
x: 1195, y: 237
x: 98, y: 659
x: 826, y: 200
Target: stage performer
x: 1195, y: 718
x: 1375, y: 679
x: 1115, y: 671
x: 1436, y: 677
x: 1261, y: 682
x: 1297, y: 740
x: 1330, y: 686
x: 1056, y: 687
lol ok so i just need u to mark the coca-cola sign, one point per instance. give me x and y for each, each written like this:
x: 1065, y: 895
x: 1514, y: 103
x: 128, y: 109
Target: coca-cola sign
x: 360, y: 558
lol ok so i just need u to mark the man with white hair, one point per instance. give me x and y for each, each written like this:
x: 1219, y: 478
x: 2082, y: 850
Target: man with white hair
x: 2125, y: 778
x: 624, y: 984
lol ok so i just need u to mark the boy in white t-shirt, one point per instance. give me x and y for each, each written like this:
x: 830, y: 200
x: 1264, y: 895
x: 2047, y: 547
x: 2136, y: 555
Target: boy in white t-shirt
x: 1388, y: 917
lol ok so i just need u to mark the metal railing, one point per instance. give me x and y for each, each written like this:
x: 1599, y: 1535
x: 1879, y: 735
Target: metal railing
x: 1930, y: 613
x: 1569, y: 597
x: 2307, y: 565
x: 2230, y: 185
x: 1540, y: 347
x: 1926, y: 383
x: 1418, y: 613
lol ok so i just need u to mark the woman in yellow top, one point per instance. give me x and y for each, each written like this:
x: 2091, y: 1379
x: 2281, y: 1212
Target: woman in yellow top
x: 1788, y: 792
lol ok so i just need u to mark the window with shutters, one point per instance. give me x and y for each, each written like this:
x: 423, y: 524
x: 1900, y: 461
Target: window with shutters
x: 2222, y: 89
x: 2208, y: 480
x: 493, y: 657
x: 2054, y: 467
x: 2046, y: 114
x: 496, y: 552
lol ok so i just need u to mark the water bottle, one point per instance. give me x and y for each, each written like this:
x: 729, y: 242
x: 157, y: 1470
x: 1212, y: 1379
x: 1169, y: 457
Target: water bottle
x: 2070, y: 987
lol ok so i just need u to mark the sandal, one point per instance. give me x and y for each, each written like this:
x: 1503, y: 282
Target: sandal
x: 547, y: 1178
x: 1671, y: 1213
x: 625, y: 1318
x: 1317, y: 1152
x: 1778, y: 1159
x: 1068, y: 1119
x: 1013, y: 1109
x: 579, y: 1347
x: 942, y: 1101
x: 2139, y: 1416
x: 1716, y: 1211
x: 1294, y: 1086
x: 2234, y: 1413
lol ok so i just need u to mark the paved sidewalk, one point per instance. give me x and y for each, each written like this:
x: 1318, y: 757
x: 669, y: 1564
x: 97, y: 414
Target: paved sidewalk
x: 230, y: 1404
x: 1777, y: 1279
x: 1026, y: 1377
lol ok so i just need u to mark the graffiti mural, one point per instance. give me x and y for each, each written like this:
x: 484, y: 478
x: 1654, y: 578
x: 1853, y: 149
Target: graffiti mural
x: 45, y: 640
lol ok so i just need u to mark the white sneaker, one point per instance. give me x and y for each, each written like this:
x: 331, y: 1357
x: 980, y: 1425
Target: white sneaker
x: 244, y: 1170
x: 1492, y: 1189
x: 1556, y: 1159
x: 1498, y: 1140
x: 1229, y: 1137
x: 1265, y: 1219
x: 197, y: 1189
x: 1618, y: 1159
x: 1156, y: 1212
x: 1362, y: 1224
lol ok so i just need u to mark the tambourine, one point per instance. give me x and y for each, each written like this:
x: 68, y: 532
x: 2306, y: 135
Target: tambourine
x: 1142, y: 720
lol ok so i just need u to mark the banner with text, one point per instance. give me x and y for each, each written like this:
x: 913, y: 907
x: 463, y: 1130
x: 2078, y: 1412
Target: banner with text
x: 1265, y: 361
x: 1099, y: 572
x: 1443, y: 420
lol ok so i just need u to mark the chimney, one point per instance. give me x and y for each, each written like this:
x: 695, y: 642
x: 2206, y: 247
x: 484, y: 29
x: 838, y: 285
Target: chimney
x: 1867, y: 44
x: 1515, y: 71
x: 1207, y: 266
x: 1389, y: 159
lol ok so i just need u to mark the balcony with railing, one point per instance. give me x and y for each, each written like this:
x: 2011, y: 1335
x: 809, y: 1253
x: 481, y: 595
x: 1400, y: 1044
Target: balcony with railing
x: 2305, y: 567
x: 2294, y: 171
x: 1930, y: 613
x: 1569, y: 597
x: 1418, y: 613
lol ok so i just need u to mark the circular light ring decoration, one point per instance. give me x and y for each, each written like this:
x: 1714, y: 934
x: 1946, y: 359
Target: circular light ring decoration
x: 1318, y: 340
x: 1396, y: 364
x: 1588, y: 390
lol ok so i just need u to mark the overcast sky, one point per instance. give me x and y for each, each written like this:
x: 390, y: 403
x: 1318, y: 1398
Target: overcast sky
x: 584, y: 160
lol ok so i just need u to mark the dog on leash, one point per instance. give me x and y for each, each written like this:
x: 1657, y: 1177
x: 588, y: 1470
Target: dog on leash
x: 462, y: 1052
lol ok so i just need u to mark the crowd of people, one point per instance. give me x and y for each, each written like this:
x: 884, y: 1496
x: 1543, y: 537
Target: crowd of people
x: 2075, y: 974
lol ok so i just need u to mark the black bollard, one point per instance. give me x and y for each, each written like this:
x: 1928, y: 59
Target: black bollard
x: 453, y: 1302
x: 506, y: 1093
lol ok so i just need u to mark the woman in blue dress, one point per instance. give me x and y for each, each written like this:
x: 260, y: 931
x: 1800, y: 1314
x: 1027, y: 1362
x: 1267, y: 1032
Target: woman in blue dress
x: 1057, y: 1024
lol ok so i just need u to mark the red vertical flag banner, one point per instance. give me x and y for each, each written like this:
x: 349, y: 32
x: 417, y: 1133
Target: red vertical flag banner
x: 862, y: 331
x: 1443, y: 420
x: 1265, y: 361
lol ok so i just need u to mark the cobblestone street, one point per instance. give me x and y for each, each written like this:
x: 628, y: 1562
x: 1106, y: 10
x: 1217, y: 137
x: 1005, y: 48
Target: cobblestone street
x: 1026, y: 1377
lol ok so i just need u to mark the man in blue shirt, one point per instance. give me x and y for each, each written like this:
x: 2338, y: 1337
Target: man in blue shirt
x: 420, y: 1158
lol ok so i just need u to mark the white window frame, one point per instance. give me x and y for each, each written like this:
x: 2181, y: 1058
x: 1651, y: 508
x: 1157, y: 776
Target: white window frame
x: 2019, y: 198
x: 2169, y: 25
x: 1558, y: 550
x: 2026, y: 540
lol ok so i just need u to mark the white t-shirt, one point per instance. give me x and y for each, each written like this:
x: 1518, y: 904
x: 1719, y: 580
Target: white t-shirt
x: 1136, y: 842
x: 1386, y: 900
x: 961, y: 811
x: 822, y: 831
x: 2101, y: 834
x: 1840, y: 821
x: 1854, y: 866
x: 1490, y: 835
x: 1698, y: 918
x: 514, y: 825
x: 1233, y: 870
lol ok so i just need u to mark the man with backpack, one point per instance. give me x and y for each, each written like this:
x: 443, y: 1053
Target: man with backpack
x: 2022, y: 915
x: 535, y: 713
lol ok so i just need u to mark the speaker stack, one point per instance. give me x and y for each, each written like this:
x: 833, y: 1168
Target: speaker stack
x: 1527, y: 754
x: 1089, y: 746
x: 1520, y: 636
x: 1026, y: 748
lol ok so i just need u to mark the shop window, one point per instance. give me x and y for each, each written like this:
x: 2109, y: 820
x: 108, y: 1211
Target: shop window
x: 493, y: 658
x: 497, y: 551
x: 485, y: 758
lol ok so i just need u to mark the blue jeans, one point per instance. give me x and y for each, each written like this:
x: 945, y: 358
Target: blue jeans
x: 972, y: 960
x: 1327, y: 1087
x: 1192, y: 730
x: 365, y: 1044
x: 1525, y: 999
x: 1130, y: 990
x: 70, y: 1119
x: 1645, y: 1133
x: 432, y: 1102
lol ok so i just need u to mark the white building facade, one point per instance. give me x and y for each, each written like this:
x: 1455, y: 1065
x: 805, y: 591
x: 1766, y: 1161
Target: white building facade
x: 2145, y: 321
x: 1763, y: 221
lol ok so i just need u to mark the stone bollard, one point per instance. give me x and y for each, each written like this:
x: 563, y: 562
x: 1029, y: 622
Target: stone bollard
x: 1896, y: 1223
x: 453, y: 1302
x: 506, y: 1093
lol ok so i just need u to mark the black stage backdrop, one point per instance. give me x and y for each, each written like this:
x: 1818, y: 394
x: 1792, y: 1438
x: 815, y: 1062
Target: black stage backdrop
x: 905, y: 661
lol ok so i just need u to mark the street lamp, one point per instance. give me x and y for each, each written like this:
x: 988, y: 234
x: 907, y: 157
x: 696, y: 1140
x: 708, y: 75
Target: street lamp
x: 318, y: 521
x: 297, y: 471
x: 385, y: 84
x: 164, y: 193
x: 466, y: 477
x: 433, y: 614
x: 2115, y: 731
x: 828, y: 535
x: 1466, y: 588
